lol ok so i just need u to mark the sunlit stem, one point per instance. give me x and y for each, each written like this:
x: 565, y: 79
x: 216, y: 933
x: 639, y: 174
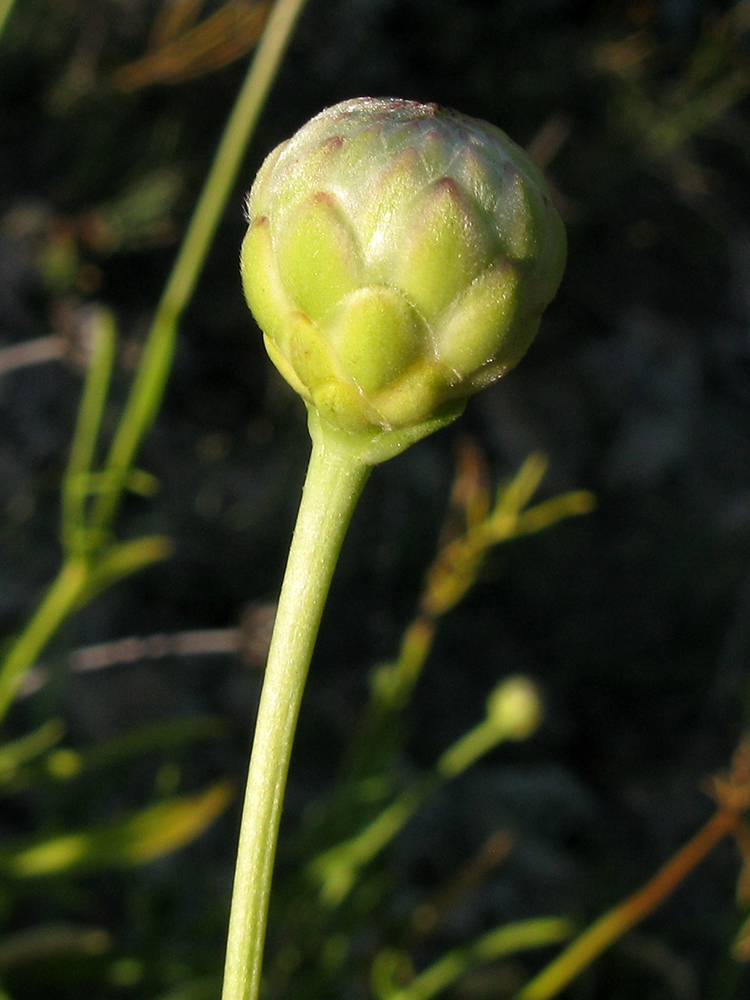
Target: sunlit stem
x: 6, y: 6
x: 334, y: 482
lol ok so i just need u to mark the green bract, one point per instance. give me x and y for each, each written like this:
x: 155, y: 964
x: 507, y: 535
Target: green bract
x: 399, y: 257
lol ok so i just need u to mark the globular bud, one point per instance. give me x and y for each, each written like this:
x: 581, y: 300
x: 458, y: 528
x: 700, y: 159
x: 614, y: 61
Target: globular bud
x: 514, y: 708
x: 398, y: 258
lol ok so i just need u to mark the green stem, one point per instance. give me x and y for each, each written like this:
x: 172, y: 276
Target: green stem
x: 77, y: 483
x: 148, y: 387
x: 338, y: 868
x: 334, y: 482
x: 502, y: 941
x: 6, y: 6
x: 59, y: 601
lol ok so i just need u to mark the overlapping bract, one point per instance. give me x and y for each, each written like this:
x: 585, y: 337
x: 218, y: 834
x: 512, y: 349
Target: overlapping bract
x: 398, y: 258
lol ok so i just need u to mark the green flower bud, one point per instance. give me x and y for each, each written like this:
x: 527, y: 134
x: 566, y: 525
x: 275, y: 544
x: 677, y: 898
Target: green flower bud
x: 399, y: 257
x: 514, y: 708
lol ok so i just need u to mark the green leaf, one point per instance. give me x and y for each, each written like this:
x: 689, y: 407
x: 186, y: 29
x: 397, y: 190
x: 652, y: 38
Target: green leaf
x: 15, y: 754
x: 123, y: 559
x: 142, y: 837
x: 498, y: 943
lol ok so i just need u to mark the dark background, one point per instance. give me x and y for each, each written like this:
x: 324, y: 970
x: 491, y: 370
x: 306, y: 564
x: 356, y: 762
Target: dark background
x: 633, y: 620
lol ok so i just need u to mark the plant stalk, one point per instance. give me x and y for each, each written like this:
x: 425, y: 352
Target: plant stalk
x: 148, y: 387
x: 153, y: 370
x: 62, y: 596
x: 334, y: 482
x: 6, y: 6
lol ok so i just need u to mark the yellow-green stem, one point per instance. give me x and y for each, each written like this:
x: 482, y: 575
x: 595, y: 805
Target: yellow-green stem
x: 148, y: 387
x: 506, y: 940
x: 145, y: 396
x: 334, y: 482
x: 6, y: 6
x: 57, y: 604
x: 76, y: 489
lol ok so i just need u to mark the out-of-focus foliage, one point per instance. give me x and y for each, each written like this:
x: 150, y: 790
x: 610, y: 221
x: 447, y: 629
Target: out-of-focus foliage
x: 42, y: 775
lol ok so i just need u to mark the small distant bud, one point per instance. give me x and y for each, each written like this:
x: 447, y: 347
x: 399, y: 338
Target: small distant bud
x: 515, y: 708
x: 398, y: 258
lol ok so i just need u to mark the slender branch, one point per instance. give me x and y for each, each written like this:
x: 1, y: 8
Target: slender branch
x: 249, y: 641
x: 83, y: 447
x: 505, y: 940
x: 334, y: 482
x: 622, y: 918
x: 148, y: 387
x: 6, y: 6
x: 53, y: 347
x: 59, y: 601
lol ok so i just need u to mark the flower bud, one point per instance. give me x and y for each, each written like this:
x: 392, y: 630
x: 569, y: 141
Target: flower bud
x: 398, y: 258
x: 515, y: 708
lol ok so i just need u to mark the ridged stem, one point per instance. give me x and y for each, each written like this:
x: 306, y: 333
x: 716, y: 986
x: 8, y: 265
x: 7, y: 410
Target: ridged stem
x: 334, y: 482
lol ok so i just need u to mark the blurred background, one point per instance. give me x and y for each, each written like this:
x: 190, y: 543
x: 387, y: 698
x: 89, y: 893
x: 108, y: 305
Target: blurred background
x: 634, y: 620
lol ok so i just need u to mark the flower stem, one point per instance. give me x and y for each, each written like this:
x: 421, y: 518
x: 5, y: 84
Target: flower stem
x: 334, y: 482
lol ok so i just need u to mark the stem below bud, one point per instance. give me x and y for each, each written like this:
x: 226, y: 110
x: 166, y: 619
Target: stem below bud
x: 334, y: 482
